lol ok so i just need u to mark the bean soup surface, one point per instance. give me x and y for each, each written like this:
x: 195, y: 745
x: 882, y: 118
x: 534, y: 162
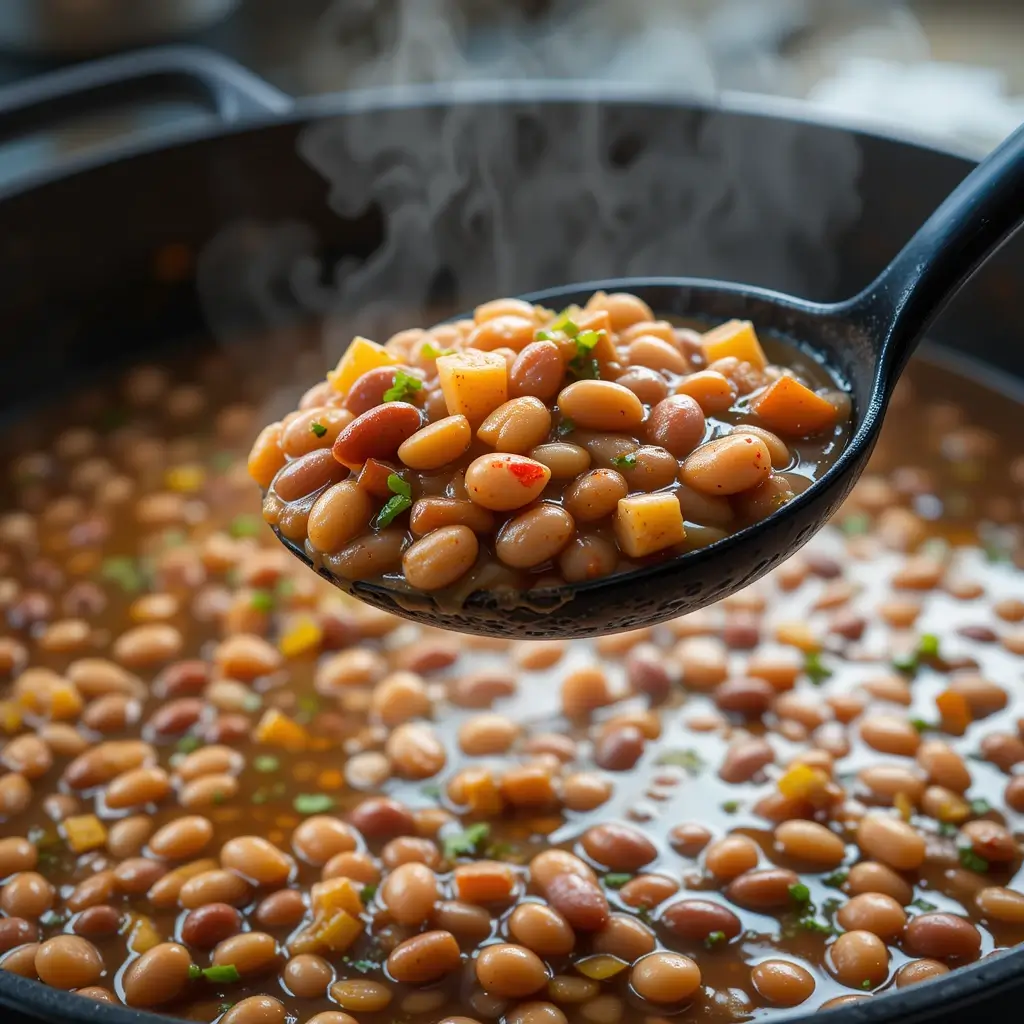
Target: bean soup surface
x: 526, y: 448
x: 229, y: 792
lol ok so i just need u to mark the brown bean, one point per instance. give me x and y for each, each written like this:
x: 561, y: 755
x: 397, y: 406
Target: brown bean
x: 21, y: 961
x: 16, y: 854
x: 183, y: 838
x: 308, y: 976
x: 410, y: 892
x: 749, y: 698
x: 891, y: 841
x: 424, y: 958
x: 541, y: 929
x: 624, y: 937
x: 158, y: 977
x: 744, y: 760
x: 665, y: 978
x: 579, y: 900
x: 264, y: 1010
x: 872, y: 877
x: 997, y: 904
x: 255, y: 858
x: 873, y: 912
x: 207, y: 925
x: 618, y: 847
x: 919, y: 970
x: 1003, y: 749
x: 68, y: 961
x: 689, y: 839
x: 136, y: 788
x: 27, y: 895
x: 16, y: 931
x: 941, y: 936
x: 382, y: 818
x: 509, y: 971
x: 890, y: 735
x: 368, y: 390
x: 858, y: 959
x: 282, y: 909
x: 648, y: 891
x: 97, y: 922
x: 811, y: 843
x: 767, y: 889
x: 319, y: 838
x: 619, y: 749
x: 695, y: 920
x: 991, y: 841
x: 251, y: 953
x: 464, y: 920
x: 538, y: 371
x: 377, y: 433
x: 676, y: 424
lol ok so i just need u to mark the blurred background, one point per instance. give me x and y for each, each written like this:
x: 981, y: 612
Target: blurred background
x: 949, y: 70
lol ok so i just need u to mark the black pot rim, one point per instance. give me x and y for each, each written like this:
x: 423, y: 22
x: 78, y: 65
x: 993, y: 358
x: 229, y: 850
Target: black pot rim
x: 948, y: 994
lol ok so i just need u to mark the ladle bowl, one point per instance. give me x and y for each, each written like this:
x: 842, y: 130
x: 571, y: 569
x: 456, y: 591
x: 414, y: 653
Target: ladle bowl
x: 864, y: 341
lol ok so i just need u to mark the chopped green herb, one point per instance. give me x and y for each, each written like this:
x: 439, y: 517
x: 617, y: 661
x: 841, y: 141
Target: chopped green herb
x: 970, y: 860
x: 567, y: 326
x: 923, y: 905
x: 219, y: 973
x: 585, y: 368
x: 812, y: 924
x: 307, y: 708
x: 714, y: 939
x: 836, y: 880
x: 285, y: 588
x: 799, y: 893
x: 224, y: 1007
x: 855, y: 525
x: 624, y: 461
x: 52, y: 918
x: 266, y: 763
x: 866, y: 984
x: 905, y: 662
x: 617, y: 879
x: 921, y: 725
x: 466, y: 842
x: 219, y: 798
x: 188, y: 744
x: 815, y: 669
x: 689, y: 760
x: 947, y: 828
x: 362, y: 966
x: 313, y: 803
x: 502, y: 851
x: 995, y: 552
x: 367, y: 893
x: 980, y: 807
x: 260, y: 796
x: 432, y: 790
x: 565, y: 427
x: 428, y: 350
x: 830, y: 906
x: 262, y: 601
x: 928, y: 646
x: 317, y: 428
x: 245, y: 526
x: 643, y: 912
x: 123, y: 571
x: 731, y: 806
x: 394, y: 507
x: 403, y: 386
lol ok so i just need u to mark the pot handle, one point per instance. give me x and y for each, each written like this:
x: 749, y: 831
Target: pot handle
x: 234, y: 93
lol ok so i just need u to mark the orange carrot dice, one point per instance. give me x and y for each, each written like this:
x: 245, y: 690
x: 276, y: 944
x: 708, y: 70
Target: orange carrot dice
x: 793, y: 410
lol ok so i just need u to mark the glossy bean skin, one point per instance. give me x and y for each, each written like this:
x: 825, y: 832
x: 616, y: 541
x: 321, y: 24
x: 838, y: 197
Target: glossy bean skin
x: 157, y: 977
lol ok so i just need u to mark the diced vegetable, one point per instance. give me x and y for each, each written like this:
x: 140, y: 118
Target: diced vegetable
x: 646, y: 523
x: 479, y: 792
x: 337, y: 894
x: 734, y: 338
x: 601, y: 966
x: 361, y: 356
x: 954, y: 711
x: 10, y: 717
x: 486, y: 881
x: 303, y: 636
x: 802, y: 782
x: 84, y: 832
x: 143, y: 935
x: 336, y: 933
x: 276, y: 729
x: 473, y: 383
x: 793, y: 410
x: 799, y: 635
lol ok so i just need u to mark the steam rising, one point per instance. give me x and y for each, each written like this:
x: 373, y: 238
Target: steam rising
x: 482, y: 198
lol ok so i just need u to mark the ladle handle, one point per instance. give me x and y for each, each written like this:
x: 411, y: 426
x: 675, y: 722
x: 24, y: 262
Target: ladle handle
x: 975, y: 219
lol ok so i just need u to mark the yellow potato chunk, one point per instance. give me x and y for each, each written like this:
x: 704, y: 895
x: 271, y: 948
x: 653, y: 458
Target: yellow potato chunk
x: 734, y: 338
x: 473, y: 383
x: 645, y: 523
x: 360, y: 356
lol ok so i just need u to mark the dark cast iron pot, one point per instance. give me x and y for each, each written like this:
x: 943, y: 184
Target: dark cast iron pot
x: 370, y: 209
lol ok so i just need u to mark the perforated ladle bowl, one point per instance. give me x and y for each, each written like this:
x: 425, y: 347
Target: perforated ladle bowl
x: 867, y: 340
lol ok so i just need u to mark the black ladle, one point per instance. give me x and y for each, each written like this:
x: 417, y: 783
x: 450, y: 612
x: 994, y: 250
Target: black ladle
x: 868, y: 339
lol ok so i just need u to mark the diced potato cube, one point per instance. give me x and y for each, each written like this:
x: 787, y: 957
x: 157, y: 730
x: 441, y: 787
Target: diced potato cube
x: 646, y: 523
x: 276, y: 729
x: 734, y: 338
x: 84, y: 832
x: 599, y: 320
x: 793, y: 410
x: 337, y: 894
x: 473, y: 383
x: 339, y: 932
x: 362, y: 355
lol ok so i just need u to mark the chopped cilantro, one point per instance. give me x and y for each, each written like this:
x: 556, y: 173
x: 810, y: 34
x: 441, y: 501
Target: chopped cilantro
x: 714, y: 939
x: 947, y: 828
x: 980, y: 807
x: 188, y: 744
x: 219, y: 798
x: 466, y: 842
x: 866, y: 984
x: 928, y: 646
x: 566, y: 325
x: 731, y: 806
x: 585, y: 368
x: 995, y: 552
x: 905, y: 662
x: 219, y: 973
x: 428, y: 350
x: 836, y: 880
x: 224, y: 1007
x: 624, y: 461
x: 432, y: 790
x: 643, y: 912
x: 403, y: 387
x: 812, y: 924
x: 313, y: 803
x: 395, y: 506
x: 815, y: 669
x: 970, y: 860
x: 262, y: 601
x: 923, y: 905
x: 617, y: 879
x: 51, y: 918
x: 689, y: 760
x: 317, y: 428
x: 266, y: 763
x: 245, y: 526
x: 123, y: 571
x: 367, y: 893
x: 921, y: 725
x: 362, y: 966
x: 586, y: 340
x: 565, y: 427
x: 800, y: 893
